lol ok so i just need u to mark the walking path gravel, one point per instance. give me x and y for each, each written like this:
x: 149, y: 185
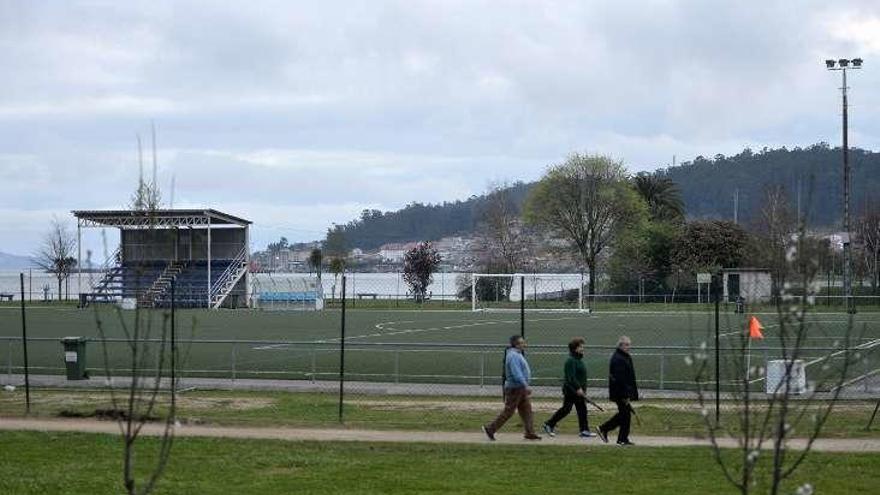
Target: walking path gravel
x: 511, y: 437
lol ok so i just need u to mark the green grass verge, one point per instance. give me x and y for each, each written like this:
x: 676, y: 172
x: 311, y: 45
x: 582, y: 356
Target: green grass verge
x: 406, y: 413
x: 74, y: 463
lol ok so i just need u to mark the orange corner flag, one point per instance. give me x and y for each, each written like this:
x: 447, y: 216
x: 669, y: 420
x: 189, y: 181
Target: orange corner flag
x: 755, y: 329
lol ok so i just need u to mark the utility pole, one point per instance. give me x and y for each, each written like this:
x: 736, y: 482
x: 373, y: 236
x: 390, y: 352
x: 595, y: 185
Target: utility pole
x: 736, y: 206
x: 842, y: 65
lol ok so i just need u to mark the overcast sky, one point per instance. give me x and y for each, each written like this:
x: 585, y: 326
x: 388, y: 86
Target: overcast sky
x: 299, y: 114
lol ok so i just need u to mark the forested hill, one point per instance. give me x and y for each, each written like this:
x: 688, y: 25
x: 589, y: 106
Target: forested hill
x: 708, y: 186
x: 418, y: 221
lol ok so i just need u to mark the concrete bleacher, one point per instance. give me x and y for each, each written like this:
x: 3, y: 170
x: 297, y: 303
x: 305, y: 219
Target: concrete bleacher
x: 191, y: 283
x: 159, y: 246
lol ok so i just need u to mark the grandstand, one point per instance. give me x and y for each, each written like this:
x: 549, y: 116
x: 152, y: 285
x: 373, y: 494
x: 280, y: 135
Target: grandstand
x: 205, y: 251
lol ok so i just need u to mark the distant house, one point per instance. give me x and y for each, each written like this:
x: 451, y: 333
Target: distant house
x: 395, y: 251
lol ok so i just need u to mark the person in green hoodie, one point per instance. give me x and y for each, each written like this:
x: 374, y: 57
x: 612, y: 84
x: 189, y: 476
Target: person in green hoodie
x: 574, y: 390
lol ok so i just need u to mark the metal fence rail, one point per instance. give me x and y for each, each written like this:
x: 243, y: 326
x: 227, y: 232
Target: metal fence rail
x: 662, y: 368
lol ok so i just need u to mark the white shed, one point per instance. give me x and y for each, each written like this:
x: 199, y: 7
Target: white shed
x: 754, y: 285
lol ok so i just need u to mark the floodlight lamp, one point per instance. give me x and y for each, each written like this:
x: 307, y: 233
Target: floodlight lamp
x: 843, y: 62
x: 857, y: 63
x: 829, y: 64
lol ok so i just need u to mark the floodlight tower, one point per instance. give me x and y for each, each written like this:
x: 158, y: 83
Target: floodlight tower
x: 843, y: 65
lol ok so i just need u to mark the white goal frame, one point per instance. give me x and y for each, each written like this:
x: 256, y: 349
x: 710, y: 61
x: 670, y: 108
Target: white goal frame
x: 580, y: 277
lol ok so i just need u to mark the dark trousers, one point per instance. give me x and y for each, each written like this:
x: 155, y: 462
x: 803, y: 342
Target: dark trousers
x: 568, y: 400
x: 621, y: 419
x: 515, y: 400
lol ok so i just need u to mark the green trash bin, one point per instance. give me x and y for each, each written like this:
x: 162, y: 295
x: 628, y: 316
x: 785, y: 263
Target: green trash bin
x: 75, y: 357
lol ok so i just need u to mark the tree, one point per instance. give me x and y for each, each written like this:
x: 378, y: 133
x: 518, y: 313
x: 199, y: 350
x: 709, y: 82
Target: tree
x: 868, y: 237
x: 503, y: 239
x: 762, y: 424
x: 149, y: 356
x: 419, y: 264
x: 587, y: 201
x: 147, y: 196
x: 662, y: 196
x: 337, y: 266
x: 274, y: 247
x: 147, y: 359
x: 316, y: 259
x: 55, y: 254
x: 641, y: 261
x: 710, y: 246
x: 775, y: 232
x: 336, y: 243
x: 503, y: 243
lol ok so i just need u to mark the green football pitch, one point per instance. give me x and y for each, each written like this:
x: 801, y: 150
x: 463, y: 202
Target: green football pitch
x: 419, y: 345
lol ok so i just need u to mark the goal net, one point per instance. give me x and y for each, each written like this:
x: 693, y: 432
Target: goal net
x: 534, y: 291
x: 287, y: 293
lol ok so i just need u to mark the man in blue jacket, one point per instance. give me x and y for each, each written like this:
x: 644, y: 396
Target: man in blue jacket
x: 516, y: 391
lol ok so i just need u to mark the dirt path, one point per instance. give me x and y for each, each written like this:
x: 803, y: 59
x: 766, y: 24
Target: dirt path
x: 510, y: 437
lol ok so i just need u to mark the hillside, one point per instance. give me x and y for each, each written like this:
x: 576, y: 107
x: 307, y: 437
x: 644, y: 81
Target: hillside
x: 708, y: 186
x: 418, y: 221
x: 14, y: 262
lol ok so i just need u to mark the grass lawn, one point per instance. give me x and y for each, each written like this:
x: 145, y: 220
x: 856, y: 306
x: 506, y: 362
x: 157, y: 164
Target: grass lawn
x: 405, y: 413
x: 73, y: 463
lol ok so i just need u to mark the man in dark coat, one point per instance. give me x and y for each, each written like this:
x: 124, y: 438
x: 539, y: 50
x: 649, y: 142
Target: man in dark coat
x: 621, y: 389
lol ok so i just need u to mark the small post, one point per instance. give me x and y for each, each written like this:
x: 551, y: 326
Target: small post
x: 9, y: 360
x: 482, y: 369
x: 522, y: 305
x: 234, y: 346
x: 342, y: 353
x: 27, y: 380
x: 717, y: 295
x: 314, y: 365
x: 662, y: 363
x: 173, y: 343
x: 874, y: 415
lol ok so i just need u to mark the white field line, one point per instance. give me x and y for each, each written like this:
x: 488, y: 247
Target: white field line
x: 384, y: 326
x: 859, y: 378
x: 743, y: 331
x: 864, y: 346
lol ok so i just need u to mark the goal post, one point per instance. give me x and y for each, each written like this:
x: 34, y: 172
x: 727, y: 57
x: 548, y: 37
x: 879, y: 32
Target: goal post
x: 542, y: 291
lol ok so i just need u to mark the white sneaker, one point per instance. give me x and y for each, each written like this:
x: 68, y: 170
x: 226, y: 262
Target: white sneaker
x: 551, y: 432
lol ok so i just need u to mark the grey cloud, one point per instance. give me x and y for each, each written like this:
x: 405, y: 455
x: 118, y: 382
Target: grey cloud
x: 382, y: 103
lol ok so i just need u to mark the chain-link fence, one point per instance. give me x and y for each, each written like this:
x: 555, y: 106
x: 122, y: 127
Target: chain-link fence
x: 441, y: 369
x: 456, y: 290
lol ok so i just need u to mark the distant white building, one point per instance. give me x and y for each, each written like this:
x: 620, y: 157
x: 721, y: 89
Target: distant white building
x: 754, y: 285
x: 395, y: 251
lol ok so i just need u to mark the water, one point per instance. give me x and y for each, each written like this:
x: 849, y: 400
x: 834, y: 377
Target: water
x: 35, y: 280
x: 382, y: 284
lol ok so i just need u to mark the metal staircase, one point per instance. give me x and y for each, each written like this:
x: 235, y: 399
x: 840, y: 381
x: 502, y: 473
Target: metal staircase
x: 148, y: 298
x: 107, y: 289
x: 227, y: 280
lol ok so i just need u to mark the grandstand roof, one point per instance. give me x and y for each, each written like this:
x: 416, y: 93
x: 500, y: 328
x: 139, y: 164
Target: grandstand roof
x: 156, y: 218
